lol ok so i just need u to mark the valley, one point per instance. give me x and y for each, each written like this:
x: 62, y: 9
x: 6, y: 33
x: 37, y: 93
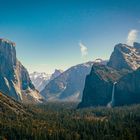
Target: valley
x: 70, y: 70
x: 93, y: 100
x: 62, y: 121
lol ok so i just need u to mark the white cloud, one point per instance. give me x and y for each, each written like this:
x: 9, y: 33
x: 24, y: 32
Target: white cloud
x: 132, y: 37
x: 83, y: 49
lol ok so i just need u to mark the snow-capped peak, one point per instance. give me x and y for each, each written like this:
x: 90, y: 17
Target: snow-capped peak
x: 41, y: 79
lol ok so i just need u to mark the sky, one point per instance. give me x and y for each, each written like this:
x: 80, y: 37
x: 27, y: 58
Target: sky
x: 57, y: 34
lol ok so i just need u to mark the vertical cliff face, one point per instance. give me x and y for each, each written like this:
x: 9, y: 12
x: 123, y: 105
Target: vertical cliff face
x: 14, y: 78
x: 127, y: 57
x: 123, y: 68
x: 7, y: 58
x: 128, y: 89
x: 98, y: 85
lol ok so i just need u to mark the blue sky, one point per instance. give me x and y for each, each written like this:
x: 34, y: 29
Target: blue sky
x: 48, y: 33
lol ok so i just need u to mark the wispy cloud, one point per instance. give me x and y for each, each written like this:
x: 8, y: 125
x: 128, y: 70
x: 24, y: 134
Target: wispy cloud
x: 83, y: 49
x: 132, y: 36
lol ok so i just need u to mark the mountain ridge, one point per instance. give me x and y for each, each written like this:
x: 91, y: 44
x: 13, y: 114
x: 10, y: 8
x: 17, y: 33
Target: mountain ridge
x: 125, y: 60
x: 41, y: 79
x: 125, y: 57
x: 69, y: 85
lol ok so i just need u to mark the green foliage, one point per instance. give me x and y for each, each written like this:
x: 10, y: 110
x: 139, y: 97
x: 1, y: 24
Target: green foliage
x: 61, y: 121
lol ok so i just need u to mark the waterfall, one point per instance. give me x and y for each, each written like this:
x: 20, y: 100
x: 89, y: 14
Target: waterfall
x: 111, y: 103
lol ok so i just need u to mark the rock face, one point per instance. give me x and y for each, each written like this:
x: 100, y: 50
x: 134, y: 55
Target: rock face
x: 56, y: 74
x: 40, y: 80
x: 98, y: 85
x: 69, y: 85
x: 15, y: 81
x: 125, y: 57
x: 127, y: 89
x: 118, y: 82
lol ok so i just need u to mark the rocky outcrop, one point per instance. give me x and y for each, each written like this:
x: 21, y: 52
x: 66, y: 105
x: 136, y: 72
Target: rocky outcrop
x: 98, y: 85
x: 15, y: 81
x: 56, y: 73
x: 125, y: 57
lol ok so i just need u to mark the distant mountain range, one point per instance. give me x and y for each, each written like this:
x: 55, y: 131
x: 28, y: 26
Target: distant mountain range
x: 108, y: 83
x: 69, y: 85
x: 62, y: 86
x: 40, y: 80
x: 123, y: 70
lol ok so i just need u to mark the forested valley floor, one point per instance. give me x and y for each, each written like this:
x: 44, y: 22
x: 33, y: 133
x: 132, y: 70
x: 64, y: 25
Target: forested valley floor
x: 62, y: 121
